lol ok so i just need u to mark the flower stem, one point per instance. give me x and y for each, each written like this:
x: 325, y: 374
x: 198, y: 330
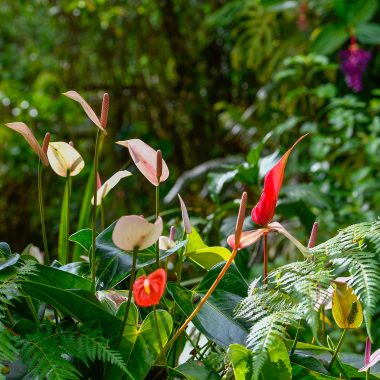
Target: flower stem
x: 367, y: 374
x: 337, y: 349
x: 93, y: 266
x: 157, y: 215
x: 265, y: 236
x: 68, y: 185
x: 131, y: 281
x: 296, y: 338
x: 42, y: 213
x: 102, y: 216
x: 157, y: 329
x: 203, y: 301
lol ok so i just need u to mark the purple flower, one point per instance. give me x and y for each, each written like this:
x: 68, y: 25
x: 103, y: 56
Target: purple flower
x: 353, y: 63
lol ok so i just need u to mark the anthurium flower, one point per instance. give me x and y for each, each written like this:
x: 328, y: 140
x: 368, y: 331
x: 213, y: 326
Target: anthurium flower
x: 134, y: 232
x: 89, y: 111
x: 107, y: 186
x: 64, y: 158
x: 148, y: 290
x: 370, y: 360
x: 346, y: 308
x: 145, y: 158
x: 28, y: 135
x: 264, y: 211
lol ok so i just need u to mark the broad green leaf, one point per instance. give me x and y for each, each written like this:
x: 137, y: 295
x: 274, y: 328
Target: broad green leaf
x: 232, y: 282
x: 368, y: 33
x: 353, y: 12
x: 114, y: 265
x: 278, y: 364
x: 308, y: 367
x: 215, y: 318
x: 5, y: 249
x: 210, y: 256
x: 194, y: 241
x: 11, y: 260
x: 71, y: 295
x: 330, y: 38
x: 241, y: 359
x: 195, y: 370
x: 146, y: 348
x: 83, y: 238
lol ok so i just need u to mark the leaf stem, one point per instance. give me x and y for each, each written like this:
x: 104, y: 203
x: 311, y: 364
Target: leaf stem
x: 337, y: 348
x: 131, y: 281
x: 32, y: 310
x: 93, y: 264
x: 265, y: 236
x: 157, y: 215
x: 42, y: 213
x: 203, y: 301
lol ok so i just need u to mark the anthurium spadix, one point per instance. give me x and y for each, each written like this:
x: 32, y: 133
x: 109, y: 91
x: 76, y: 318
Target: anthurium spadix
x: 107, y: 186
x: 64, y: 158
x: 145, y: 158
x: 133, y: 232
x: 370, y: 360
x: 100, y: 123
x: 28, y: 135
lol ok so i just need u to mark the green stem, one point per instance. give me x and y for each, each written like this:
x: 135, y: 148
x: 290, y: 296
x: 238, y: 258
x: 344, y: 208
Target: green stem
x: 102, y: 216
x: 68, y: 185
x: 157, y: 215
x: 296, y: 338
x: 42, y: 213
x: 367, y: 374
x: 93, y: 266
x: 265, y: 257
x: 194, y: 344
x: 32, y: 310
x: 157, y: 329
x: 131, y: 281
x: 337, y: 349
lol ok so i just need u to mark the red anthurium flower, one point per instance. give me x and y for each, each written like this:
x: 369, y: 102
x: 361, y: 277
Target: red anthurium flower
x: 148, y: 290
x: 264, y: 211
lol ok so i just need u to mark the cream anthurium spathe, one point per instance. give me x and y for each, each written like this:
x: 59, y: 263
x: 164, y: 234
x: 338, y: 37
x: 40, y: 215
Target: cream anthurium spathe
x: 64, y: 158
x: 145, y: 158
x: 107, y: 186
x: 133, y: 232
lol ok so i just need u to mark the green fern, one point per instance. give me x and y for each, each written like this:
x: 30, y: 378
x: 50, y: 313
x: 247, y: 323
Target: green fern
x: 8, y: 342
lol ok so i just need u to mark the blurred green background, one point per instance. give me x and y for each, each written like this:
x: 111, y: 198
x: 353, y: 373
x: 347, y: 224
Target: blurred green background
x: 222, y: 87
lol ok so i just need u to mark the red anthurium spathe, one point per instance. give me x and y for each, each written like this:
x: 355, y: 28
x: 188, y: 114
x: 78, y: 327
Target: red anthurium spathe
x: 134, y: 232
x: 148, y: 290
x: 145, y: 158
x: 264, y: 211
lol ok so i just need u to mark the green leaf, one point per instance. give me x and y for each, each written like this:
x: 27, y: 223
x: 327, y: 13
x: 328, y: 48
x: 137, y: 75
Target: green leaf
x: 217, y: 182
x: 241, y: 359
x: 210, y: 256
x: 146, y: 347
x: 114, y: 265
x: 5, y: 249
x: 11, y: 260
x: 355, y: 12
x: 232, y: 282
x: 215, y: 318
x: 368, y: 33
x: 307, y: 367
x: 71, y: 295
x: 278, y: 364
x: 195, y: 370
x: 330, y: 38
x: 83, y: 238
x: 194, y: 241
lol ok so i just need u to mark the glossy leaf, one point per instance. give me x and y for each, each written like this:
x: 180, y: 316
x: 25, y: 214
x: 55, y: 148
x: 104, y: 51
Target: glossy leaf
x: 194, y: 241
x: 241, y: 360
x: 83, y: 238
x: 330, y: 38
x: 215, y: 318
x: 5, y: 249
x: 71, y: 295
x: 11, y: 260
x: 278, y: 364
x: 146, y: 347
x: 114, y: 265
x: 208, y: 257
x: 195, y: 370
x: 308, y: 367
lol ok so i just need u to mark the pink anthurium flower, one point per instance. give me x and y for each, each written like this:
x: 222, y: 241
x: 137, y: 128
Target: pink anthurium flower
x: 370, y: 360
x: 28, y: 135
x: 145, y: 158
x: 134, y: 232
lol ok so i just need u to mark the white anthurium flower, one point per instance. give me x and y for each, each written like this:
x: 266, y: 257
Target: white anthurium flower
x: 165, y: 243
x: 134, y: 232
x: 109, y: 185
x: 63, y: 158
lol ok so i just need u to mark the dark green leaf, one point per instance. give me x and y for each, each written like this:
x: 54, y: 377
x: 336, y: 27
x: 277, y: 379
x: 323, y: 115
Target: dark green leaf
x: 5, y: 249
x: 368, y: 33
x: 330, y: 38
x: 195, y: 370
x: 83, y: 238
x: 11, y: 260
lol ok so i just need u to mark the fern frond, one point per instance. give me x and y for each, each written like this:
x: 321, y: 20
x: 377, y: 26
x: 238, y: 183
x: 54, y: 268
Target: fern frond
x: 8, y: 343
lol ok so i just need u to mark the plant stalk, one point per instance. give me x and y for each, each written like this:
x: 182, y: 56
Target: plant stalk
x: 157, y: 215
x: 93, y: 264
x: 337, y: 349
x: 203, y: 301
x: 265, y: 236
x: 42, y: 213
x: 296, y: 338
x: 131, y: 281
x: 68, y: 184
